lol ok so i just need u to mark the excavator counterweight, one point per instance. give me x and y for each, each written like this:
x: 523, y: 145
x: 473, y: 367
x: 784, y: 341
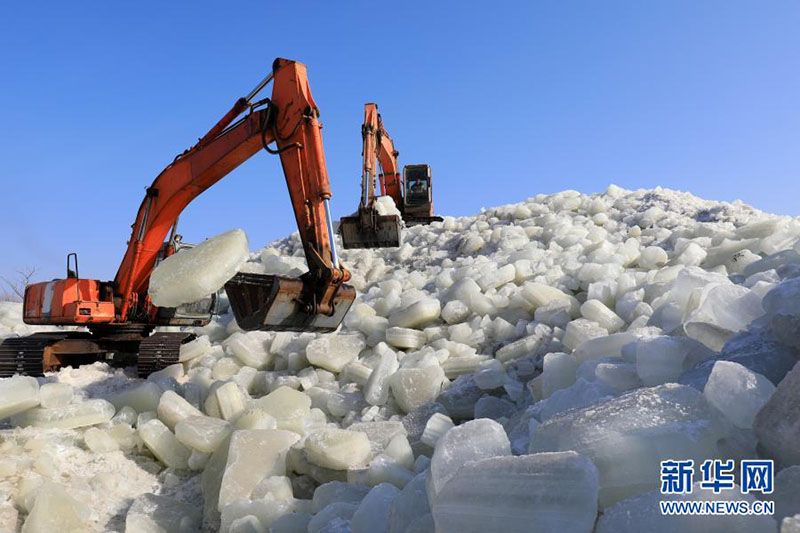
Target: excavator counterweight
x: 119, y: 314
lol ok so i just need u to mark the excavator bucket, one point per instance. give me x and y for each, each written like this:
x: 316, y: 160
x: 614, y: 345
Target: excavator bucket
x: 271, y: 303
x: 383, y: 232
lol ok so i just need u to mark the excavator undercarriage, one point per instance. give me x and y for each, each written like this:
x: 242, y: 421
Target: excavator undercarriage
x: 36, y: 354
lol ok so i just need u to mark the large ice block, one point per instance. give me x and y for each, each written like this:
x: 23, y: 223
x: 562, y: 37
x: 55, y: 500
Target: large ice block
x: 372, y: 514
x: 471, y: 441
x: 288, y: 406
x: 376, y: 391
x: 596, y: 311
x: 167, y: 449
x: 172, y: 408
x: 55, y: 394
x: 194, y: 273
x: 737, y: 392
x: 777, y: 424
x: 337, y: 449
x: 581, y: 330
x: 202, y: 433
x: 541, y: 492
x: 558, y: 372
x: 253, y: 455
x: 231, y: 400
x: 17, y: 394
x: 405, y: 338
x: 414, y: 387
x: 627, y: 437
x: 334, y: 352
x: 436, y: 427
x: 411, y: 503
x: 56, y: 510
x: 141, y: 398
x: 417, y: 315
x: 251, y: 348
x: 723, y: 310
x: 71, y: 416
x: 337, y: 491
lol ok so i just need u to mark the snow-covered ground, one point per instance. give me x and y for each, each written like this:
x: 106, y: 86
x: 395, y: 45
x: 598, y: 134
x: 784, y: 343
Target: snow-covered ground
x: 526, y: 367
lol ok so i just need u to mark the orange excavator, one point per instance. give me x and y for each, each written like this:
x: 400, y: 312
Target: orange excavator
x: 119, y: 316
x: 412, y: 192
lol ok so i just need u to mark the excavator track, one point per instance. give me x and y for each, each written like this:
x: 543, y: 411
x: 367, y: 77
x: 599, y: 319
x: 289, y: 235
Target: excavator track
x: 25, y: 355
x: 160, y: 350
x: 416, y: 221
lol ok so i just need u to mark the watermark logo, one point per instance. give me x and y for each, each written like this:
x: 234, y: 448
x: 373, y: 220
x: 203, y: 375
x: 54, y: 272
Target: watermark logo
x: 677, y: 477
x: 717, y: 475
x: 757, y: 475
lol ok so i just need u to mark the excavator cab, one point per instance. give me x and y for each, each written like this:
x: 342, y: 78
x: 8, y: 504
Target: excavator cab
x: 418, y: 197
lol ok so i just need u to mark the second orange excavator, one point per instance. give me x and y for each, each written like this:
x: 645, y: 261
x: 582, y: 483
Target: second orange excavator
x: 119, y: 316
x: 412, y: 192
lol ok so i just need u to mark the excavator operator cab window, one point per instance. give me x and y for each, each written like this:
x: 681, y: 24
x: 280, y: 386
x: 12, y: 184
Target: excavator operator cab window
x: 417, y: 185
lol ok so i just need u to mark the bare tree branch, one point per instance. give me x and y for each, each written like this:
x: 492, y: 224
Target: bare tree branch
x: 14, y: 290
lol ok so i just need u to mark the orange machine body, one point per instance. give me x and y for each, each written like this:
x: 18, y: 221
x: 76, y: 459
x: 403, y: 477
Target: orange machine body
x: 68, y: 301
x: 290, y: 120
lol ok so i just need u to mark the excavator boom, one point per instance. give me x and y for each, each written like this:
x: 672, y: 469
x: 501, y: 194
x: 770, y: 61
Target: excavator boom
x: 368, y: 228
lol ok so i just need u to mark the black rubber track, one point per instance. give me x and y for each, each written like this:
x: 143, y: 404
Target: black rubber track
x: 160, y: 350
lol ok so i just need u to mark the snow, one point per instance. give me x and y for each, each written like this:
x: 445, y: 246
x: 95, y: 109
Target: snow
x: 532, y: 342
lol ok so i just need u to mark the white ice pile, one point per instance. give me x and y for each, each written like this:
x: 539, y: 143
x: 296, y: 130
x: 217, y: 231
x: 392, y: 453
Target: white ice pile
x: 526, y: 367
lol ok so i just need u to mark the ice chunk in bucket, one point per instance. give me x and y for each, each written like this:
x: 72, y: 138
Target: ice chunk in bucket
x: 194, y: 273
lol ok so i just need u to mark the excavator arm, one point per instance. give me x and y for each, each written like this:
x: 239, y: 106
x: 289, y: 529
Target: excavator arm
x: 367, y: 228
x: 389, y: 178
x: 378, y: 150
x: 289, y: 119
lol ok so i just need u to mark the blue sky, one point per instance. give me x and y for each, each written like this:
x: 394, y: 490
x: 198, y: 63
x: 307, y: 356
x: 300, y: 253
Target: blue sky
x: 504, y: 99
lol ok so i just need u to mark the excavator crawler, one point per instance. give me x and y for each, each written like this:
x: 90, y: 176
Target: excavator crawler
x: 118, y: 316
x: 412, y: 192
